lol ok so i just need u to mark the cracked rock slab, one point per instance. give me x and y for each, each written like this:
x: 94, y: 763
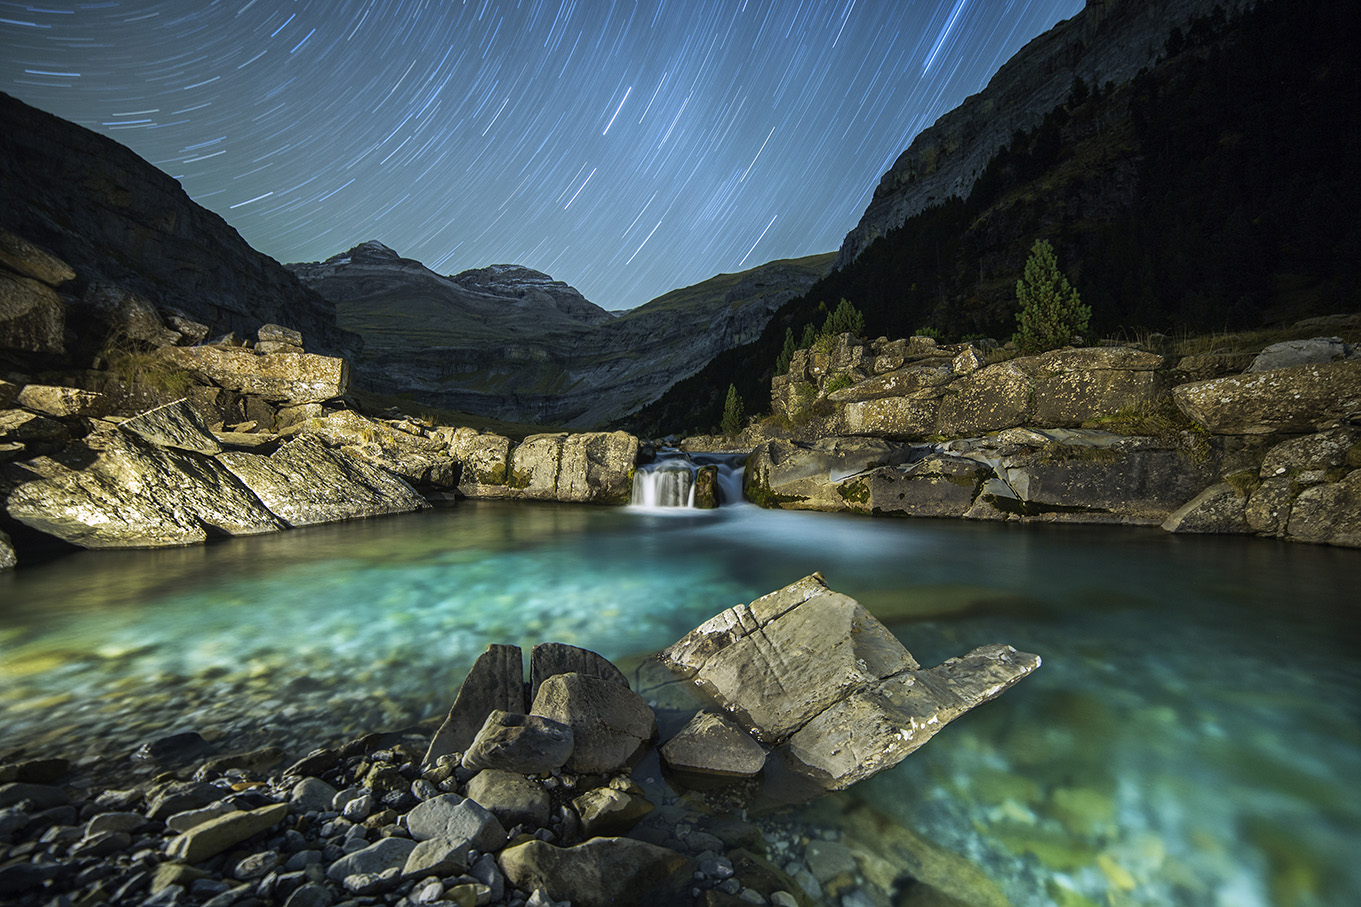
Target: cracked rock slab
x: 811, y: 672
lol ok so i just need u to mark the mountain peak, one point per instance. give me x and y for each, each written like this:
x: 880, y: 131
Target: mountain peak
x: 371, y: 251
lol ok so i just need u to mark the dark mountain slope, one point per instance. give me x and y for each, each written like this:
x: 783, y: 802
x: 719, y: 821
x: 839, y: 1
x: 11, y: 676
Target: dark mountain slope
x: 1216, y: 190
x: 114, y: 217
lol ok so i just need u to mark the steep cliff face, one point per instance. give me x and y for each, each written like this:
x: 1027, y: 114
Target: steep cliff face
x: 114, y: 217
x: 1109, y: 41
x: 512, y: 343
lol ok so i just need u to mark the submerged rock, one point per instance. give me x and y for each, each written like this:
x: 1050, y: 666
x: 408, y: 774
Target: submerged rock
x: 601, y: 872
x: 810, y: 671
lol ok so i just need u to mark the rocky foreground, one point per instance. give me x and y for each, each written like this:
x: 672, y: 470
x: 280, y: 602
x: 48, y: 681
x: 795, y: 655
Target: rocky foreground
x: 543, y: 793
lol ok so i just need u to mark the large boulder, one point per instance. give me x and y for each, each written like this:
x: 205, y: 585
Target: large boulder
x: 1328, y: 514
x: 399, y: 448
x: 1303, y: 398
x: 1221, y: 509
x: 28, y: 260
x: 116, y: 491
x: 803, y: 476
x: 549, y: 658
x: 713, y: 744
x: 8, y: 559
x: 127, y: 318
x: 528, y: 744
x: 484, y: 458
x: 174, y: 425
x: 989, y: 399
x: 602, y: 872
x: 610, y: 723
x: 597, y: 467
x: 304, y: 482
x: 1073, y: 386
x: 534, y: 466
x: 938, y: 485
x: 282, y: 378
x: 32, y: 317
x: 810, y: 671
x: 1302, y: 352
x: 63, y: 402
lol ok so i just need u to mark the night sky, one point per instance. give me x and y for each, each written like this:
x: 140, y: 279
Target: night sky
x: 625, y: 148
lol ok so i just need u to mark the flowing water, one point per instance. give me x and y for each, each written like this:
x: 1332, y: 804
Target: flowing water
x: 1191, y: 738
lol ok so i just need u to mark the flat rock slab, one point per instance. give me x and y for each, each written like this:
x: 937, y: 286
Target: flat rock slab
x: 811, y: 671
x: 304, y: 482
x: 603, y: 872
x: 610, y: 723
x: 278, y: 377
x: 216, y: 835
x: 495, y: 681
x: 528, y: 744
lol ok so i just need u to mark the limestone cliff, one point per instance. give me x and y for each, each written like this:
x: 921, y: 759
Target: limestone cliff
x: 115, y: 218
x: 1108, y: 41
x: 512, y: 343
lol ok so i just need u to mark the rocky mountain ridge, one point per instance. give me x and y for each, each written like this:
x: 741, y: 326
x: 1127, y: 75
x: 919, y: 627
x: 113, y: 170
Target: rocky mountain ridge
x: 116, y: 219
x: 511, y: 342
x: 1108, y: 41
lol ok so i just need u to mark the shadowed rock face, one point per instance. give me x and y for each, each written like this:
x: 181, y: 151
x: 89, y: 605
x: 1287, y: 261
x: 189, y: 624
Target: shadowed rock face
x: 1109, y: 40
x: 115, y: 218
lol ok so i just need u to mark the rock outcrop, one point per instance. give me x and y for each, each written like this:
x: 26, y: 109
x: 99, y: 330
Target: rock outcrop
x: 117, y: 220
x: 592, y: 467
x: 1108, y: 41
x: 811, y: 673
x: 1096, y: 435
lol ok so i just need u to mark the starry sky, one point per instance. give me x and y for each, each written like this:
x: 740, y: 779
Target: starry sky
x: 627, y: 148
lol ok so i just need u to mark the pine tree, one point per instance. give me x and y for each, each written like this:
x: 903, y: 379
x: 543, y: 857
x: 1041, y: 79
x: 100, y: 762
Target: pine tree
x: 732, y: 412
x: 810, y: 336
x: 1051, y: 312
x: 787, y: 353
x: 845, y: 319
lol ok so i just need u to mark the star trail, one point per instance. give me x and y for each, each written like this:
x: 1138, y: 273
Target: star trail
x: 625, y: 148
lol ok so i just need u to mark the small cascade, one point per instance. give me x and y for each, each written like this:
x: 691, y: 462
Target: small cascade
x: 669, y: 482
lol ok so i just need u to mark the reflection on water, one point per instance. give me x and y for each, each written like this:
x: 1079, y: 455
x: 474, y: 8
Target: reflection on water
x: 1191, y: 738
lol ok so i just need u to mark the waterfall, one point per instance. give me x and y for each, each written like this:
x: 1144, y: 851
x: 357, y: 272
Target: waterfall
x: 668, y: 483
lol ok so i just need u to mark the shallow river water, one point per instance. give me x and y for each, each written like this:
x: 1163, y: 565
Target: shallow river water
x: 1190, y: 739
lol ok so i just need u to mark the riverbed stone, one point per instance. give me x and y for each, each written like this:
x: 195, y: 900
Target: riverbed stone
x: 529, y: 744
x: 495, y: 681
x: 605, y: 811
x: 511, y: 797
x: 387, y: 854
x: 601, y: 872
x: 173, y: 797
x: 442, y: 855
x: 312, y: 795
x: 610, y: 724
x: 216, y: 835
x: 535, y: 464
x: 455, y: 816
x: 713, y: 744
